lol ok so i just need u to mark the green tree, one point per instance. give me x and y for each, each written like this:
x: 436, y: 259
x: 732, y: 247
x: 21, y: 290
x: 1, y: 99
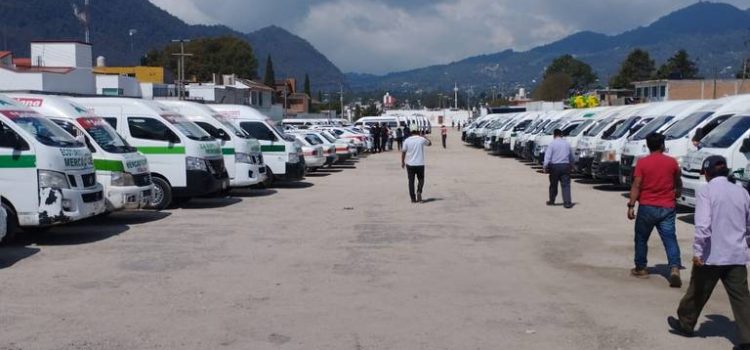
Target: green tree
x: 638, y: 66
x: 678, y: 67
x: 307, y: 91
x: 221, y: 55
x: 554, y: 87
x: 580, y: 72
x: 270, y: 76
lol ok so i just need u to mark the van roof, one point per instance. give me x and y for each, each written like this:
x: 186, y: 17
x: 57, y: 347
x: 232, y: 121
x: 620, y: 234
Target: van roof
x: 240, y: 112
x: 188, y: 107
x: 8, y: 104
x: 52, y: 105
x: 143, y: 106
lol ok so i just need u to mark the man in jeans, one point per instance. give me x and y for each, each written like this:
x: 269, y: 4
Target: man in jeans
x: 656, y: 185
x: 558, y: 161
x: 722, y: 218
x: 412, y: 158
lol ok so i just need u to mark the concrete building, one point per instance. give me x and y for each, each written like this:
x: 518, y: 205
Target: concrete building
x: 674, y: 90
x: 143, y: 74
x: 233, y: 90
x: 63, y: 67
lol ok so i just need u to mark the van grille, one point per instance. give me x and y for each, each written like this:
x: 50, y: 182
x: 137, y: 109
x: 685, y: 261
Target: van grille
x: 216, y: 166
x: 142, y: 180
x: 688, y: 192
x: 92, y: 197
x: 89, y: 180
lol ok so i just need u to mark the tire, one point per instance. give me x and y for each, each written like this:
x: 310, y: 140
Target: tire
x: 162, y: 196
x: 11, y: 225
x: 269, y: 178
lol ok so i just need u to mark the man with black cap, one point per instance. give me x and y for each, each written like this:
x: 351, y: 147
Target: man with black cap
x: 656, y: 185
x: 722, y: 218
x: 558, y: 161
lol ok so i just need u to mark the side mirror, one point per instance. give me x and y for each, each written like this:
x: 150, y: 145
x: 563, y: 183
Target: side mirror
x: 223, y: 135
x: 171, y: 137
x: 745, y: 146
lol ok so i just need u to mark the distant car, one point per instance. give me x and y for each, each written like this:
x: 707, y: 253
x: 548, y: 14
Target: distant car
x: 316, y: 138
x: 313, y: 154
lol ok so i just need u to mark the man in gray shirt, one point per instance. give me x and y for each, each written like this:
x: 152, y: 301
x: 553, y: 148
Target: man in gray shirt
x: 722, y: 217
x: 557, y: 162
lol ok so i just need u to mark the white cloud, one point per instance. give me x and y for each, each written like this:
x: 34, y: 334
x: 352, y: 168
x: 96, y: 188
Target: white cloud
x: 378, y: 36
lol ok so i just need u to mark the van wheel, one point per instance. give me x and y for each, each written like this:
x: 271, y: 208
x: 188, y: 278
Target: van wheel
x: 11, y: 225
x: 269, y: 178
x: 162, y: 195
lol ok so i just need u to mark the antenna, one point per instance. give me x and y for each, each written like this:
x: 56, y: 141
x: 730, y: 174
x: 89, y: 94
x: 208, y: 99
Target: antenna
x: 83, y: 16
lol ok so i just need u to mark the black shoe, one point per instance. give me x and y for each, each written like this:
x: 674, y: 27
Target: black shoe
x: 742, y: 347
x: 568, y: 206
x: 678, y: 328
x: 419, y: 197
x: 550, y: 203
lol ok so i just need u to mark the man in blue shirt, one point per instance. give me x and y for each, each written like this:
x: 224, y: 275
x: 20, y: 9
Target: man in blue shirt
x: 557, y: 162
x: 722, y: 218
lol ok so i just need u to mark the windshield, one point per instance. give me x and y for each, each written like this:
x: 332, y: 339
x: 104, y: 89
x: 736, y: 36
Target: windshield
x: 104, y: 135
x: 727, y: 133
x: 577, y: 131
x: 599, y: 127
x: 683, y: 127
x: 43, y: 129
x: 187, y: 128
x: 541, y: 126
x: 652, y: 127
x: 623, y: 129
x: 313, y: 139
x: 328, y: 137
x: 551, y: 127
x: 231, y: 127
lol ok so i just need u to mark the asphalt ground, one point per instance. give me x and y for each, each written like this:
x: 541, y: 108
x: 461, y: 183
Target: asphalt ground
x: 343, y: 260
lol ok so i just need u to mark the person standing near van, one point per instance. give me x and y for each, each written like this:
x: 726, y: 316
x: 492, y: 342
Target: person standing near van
x: 385, y: 133
x: 656, y: 186
x: 558, y: 161
x: 375, y: 133
x: 722, y: 216
x: 400, y: 138
x: 444, y: 135
x: 412, y: 158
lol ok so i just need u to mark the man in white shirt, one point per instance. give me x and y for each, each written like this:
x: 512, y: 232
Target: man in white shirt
x: 412, y: 158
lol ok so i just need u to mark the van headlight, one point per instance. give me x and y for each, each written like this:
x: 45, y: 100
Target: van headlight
x: 120, y: 178
x: 53, y: 179
x: 243, y: 158
x: 195, y: 163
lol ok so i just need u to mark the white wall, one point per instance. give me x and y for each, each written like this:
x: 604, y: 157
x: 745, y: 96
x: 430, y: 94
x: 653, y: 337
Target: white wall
x: 130, y: 86
x: 77, y: 81
x: 61, y: 55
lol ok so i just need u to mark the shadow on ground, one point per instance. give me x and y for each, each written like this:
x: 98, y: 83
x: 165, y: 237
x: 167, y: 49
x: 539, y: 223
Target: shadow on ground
x: 688, y: 219
x: 210, y: 203
x: 611, y: 188
x: 9, y: 256
x: 431, y: 200
x: 718, y: 326
x: 318, y: 174
x: 294, y: 185
x: 252, y: 193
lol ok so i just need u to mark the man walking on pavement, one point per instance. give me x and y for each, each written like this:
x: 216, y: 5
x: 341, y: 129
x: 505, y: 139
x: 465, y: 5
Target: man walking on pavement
x: 412, y: 158
x: 722, y: 218
x: 656, y: 185
x: 444, y: 135
x: 557, y: 162
x: 375, y: 133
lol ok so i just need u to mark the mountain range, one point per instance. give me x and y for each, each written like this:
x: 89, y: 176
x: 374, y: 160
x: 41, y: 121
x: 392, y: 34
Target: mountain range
x: 22, y: 21
x: 714, y: 34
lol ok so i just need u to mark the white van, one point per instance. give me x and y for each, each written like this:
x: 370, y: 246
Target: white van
x: 608, y: 151
x: 585, y: 151
x: 242, y: 155
x: 122, y: 171
x: 47, y: 176
x: 184, y: 160
x: 282, y: 153
x: 635, y: 148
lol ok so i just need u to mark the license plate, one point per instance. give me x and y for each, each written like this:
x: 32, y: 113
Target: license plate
x: 147, y: 193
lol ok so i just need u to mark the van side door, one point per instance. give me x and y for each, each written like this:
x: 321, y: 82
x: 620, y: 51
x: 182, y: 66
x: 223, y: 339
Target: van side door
x: 18, y: 174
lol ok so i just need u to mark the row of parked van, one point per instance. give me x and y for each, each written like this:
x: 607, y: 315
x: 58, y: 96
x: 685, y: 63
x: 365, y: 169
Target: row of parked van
x: 608, y: 142
x: 63, y: 159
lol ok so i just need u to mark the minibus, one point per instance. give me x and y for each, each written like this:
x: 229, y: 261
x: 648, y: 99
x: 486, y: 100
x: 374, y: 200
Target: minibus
x: 282, y: 153
x: 122, y: 171
x: 47, y: 176
x: 242, y: 155
x: 185, y: 161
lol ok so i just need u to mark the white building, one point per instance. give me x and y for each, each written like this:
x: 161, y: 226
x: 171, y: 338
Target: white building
x: 63, y: 67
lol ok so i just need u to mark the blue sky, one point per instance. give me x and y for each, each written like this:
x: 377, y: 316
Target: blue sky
x: 380, y: 36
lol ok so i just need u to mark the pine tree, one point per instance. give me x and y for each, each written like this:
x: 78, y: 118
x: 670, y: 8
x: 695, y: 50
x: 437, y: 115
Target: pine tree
x: 678, y: 67
x: 638, y: 66
x: 270, y: 77
x: 308, y: 92
x: 580, y: 72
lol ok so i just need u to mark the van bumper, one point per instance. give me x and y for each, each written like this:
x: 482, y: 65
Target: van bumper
x: 202, y: 184
x: 609, y: 171
x: 294, y: 171
x: 60, y: 206
x: 246, y: 175
x: 128, y: 197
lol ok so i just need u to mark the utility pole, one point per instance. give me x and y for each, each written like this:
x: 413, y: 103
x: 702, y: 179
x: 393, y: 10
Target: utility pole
x: 455, y: 92
x: 181, y: 67
x: 341, y: 98
x: 132, y: 33
x: 83, y: 16
x: 285, y: 100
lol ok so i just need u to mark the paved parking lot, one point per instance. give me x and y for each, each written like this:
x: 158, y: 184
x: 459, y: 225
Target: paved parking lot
x: 345, y: 261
